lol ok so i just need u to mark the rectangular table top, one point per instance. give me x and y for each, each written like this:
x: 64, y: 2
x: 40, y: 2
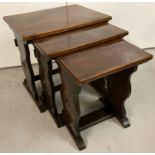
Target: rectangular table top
x: 43, y: 23
x: 92, y: 63
x: 54, y: 46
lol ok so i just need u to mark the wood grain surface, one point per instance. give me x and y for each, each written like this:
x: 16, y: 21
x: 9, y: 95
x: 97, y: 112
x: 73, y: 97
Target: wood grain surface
x: 54, y: 46
x: 103, y: 60
x: 51, y: 21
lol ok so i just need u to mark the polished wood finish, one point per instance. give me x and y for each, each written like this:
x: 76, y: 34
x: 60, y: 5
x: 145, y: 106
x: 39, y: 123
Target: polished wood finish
x: 30, y: 78
x: 109, y: 68
x: 117, y: 88
x: 71, y: 108
x: 72, y: 41
x: 47, y: 22
x: 90, y: 64
x: 72, y: 118
x: 48, y: 88
x: 89, y: 51
x: 38, y: 24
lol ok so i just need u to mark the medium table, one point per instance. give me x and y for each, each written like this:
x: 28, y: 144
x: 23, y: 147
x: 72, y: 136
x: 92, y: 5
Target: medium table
x: 51, y: 47
x: 108, y: 66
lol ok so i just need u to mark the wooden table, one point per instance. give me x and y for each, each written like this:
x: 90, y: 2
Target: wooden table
x: 109, y: 66
x: 99, y: 58
x: 28, y: 27
x: 69, y: 42
x: 88, y: 50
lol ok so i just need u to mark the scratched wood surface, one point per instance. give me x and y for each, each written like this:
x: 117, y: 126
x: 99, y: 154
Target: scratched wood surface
x: 54, y: 46
x: 51, y: 21
x: 103, y: 60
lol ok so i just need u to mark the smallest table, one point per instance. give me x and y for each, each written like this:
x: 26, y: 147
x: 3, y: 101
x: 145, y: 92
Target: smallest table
x: 108, y: 67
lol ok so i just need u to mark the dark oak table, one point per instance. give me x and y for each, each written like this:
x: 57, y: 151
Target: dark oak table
x: 30, y: 26
x: 106, y: 62
x: 69, y: 42
x: 109, y: 66
x: 88, y: 50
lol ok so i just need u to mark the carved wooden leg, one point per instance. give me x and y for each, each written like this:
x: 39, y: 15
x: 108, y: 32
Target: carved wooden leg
x: 29, y: 81
x: 71, y: 111
x: 48, y: 93
x: 118, y: 89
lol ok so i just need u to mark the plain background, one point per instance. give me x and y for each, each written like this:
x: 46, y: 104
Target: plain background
x: 137, y: 18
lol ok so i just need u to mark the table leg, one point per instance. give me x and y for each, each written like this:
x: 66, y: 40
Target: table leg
x: 117, y: 89
x: 71, y: 111
x: 48, y: 88
x: 29, y: 81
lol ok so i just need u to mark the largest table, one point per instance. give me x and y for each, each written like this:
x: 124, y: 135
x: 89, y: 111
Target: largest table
x: 28, y: 27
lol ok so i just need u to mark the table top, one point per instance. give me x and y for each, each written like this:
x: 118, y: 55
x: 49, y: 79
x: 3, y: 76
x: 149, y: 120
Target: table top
x: 47, y: 22
x: 102, y: 60
x: 64, y: 43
